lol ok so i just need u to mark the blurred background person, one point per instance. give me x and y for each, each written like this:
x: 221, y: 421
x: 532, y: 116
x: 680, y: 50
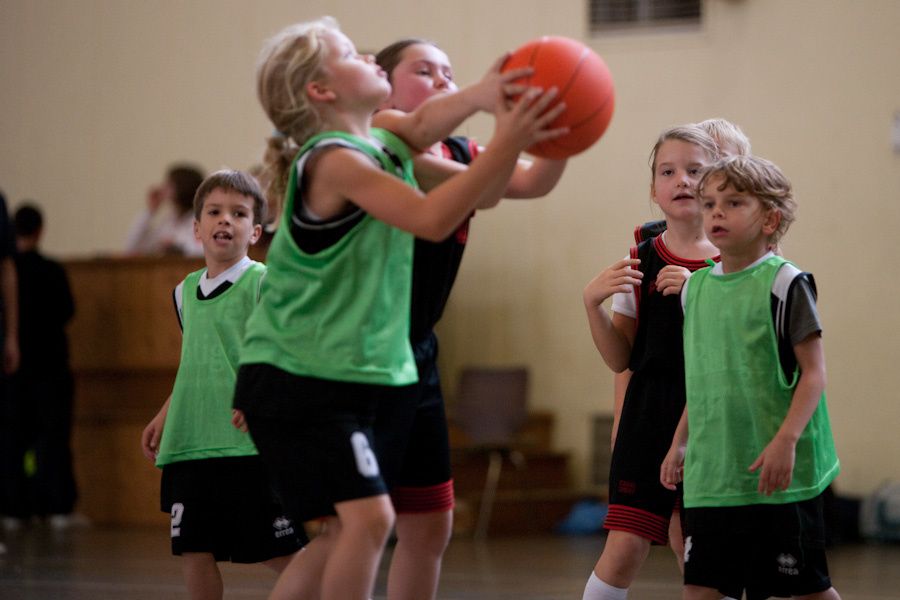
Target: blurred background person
x: 41, y: 390
x: 9, y: 337
x: 166, y: 225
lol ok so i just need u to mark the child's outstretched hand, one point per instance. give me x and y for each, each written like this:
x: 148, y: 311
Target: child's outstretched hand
x: 671, y: 279
x: 671, y: 471
x: 621, y: 276
x: 484, y: 93
x: 238, y: 420
x: 777, y: 466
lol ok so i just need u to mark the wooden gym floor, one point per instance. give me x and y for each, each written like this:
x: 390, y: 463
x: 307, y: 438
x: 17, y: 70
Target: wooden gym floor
x: 135, y: 564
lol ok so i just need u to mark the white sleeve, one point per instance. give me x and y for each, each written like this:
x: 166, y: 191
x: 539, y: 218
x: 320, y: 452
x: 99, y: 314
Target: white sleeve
x: 178, y: 297
x: 625, y: 303
x: 683, y: 294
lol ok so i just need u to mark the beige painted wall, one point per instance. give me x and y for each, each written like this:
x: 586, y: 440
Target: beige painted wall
x: 99, y: 95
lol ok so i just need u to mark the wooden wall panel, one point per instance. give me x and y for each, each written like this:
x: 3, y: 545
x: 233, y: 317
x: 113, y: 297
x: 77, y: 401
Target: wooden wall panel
x: 125, y: 346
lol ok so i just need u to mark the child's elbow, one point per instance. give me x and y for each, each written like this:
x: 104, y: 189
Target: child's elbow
x: 617, y: 366
x: 815, y: 377
x: 823, y: 378
x: 537, y: 187
x: 434, y: 233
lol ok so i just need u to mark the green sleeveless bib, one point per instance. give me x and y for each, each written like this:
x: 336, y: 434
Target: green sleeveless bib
x: 198, y: 424
x: 738, y: 396
x: 342, y: 313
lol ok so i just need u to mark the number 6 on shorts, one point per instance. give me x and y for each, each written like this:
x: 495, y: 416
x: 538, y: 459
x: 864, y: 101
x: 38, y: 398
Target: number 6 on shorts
x: 365, y: 458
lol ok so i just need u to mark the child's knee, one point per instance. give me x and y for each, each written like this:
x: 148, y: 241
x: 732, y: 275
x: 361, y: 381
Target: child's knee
x: 426, y: 533
x: 372, y: 518
x: 279, y: 563
x: 383, y: 521
x: 198, y: 561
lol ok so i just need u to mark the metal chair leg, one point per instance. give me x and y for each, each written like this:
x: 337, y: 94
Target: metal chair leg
x: 495, y: 466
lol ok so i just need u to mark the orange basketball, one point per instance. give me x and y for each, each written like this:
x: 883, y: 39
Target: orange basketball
x: 584, y: 84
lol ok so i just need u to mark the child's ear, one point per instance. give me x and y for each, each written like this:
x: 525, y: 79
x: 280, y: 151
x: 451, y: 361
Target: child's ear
x: 318, y: 91
x: 257, y: 232
x: 197, y: 230
x: 771, y: 222
x: 653, y: 193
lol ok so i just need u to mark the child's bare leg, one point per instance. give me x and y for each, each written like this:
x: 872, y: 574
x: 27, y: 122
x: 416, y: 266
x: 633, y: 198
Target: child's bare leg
x: 352, y: 565
x: 676, y: 539
x: 622, y: 557
x: 829, y: 594
x: 416, y: 562
x: 279, y: 563
x: 695, y: 592
x: 202, y: 576
x: 301, y: 578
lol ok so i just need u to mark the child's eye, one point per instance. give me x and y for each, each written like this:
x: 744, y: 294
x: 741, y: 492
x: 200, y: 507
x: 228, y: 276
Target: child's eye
x: 666, y: 172
x: 694, y: 171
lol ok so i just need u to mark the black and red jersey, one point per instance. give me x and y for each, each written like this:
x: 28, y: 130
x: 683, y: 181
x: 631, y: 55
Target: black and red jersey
x: 435, y: 264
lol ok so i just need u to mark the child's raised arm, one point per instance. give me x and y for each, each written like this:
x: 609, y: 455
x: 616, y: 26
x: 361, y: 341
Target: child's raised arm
x: 438, y: 117
x: 535, y: 178
x: 777, y: 459
x: 530, y: 179
x: 343, y: 175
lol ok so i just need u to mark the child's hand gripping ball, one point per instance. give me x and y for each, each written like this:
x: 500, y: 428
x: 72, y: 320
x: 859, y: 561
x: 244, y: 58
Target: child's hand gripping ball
x: 584, y: 84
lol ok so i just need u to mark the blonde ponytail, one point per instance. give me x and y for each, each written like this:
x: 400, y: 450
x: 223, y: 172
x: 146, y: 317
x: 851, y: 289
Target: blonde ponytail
x: 288, y: 62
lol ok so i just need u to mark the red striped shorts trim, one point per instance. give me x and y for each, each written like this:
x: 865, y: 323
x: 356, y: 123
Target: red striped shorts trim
x: 639, y: 522
x: 435, y: 498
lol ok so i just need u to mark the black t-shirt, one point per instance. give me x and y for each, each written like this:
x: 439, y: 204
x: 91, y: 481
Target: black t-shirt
x: 45, y: 306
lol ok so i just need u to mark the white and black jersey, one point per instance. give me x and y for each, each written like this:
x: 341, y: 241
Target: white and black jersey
x: 210, y: 288
x: 312, y: 233
x: 794, y: 311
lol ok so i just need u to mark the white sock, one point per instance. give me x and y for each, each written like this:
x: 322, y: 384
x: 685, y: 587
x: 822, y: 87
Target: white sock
x: 599, y: 590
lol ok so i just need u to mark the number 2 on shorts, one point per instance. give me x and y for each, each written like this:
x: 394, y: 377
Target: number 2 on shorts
x: 177, y: 513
